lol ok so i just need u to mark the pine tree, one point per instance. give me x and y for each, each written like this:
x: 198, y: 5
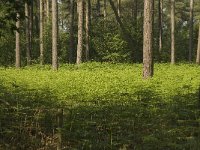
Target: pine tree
x: 28, y: 57
x: 41, y: 34
x: 160, y: 25
x: 87, y: 28
x: 147, y: 40
x: 172, y: 31
x: 71, y: 30
x: 198, y: 48
x: 191, y: 30
x: 17, y: 42
x: 54, y: 35
x: 80, y: 32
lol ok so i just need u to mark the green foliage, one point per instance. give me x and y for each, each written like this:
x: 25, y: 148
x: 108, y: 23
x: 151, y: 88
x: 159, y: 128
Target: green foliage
x: 63, y: 46
x: 108, y: 104
x: 47, y: 42
x: 7, y: 49
x: 109, y: 46
x: 8, y: 9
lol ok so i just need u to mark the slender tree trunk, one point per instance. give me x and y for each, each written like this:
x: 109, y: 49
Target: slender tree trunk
x: 47, y: 9
x: 41, y: 34
x: 54, y: 35
x: 198, y: 49
x: 80, y: 32
x: 135, y: 23
x: 59, y: 128
x: 119, y: 7
x: 44, y: 10
x: 153, y: 22
x: 98, y: 5
x: 105, y: 8
x: 119, y: 21
x: 172, y: 31
x: 87, y: 29
x: 71, y: 45
x: 191, y: 30
x: 28, y: 57
x: 160, y: 26
x: 31, y: 27
x: 17, y: 47
x: 147, y: 40
x: 36, y: 24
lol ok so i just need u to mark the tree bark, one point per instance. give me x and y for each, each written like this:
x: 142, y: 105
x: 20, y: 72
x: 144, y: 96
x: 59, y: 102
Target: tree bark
x: 172, y: 31
x: 28, y: 57
x: 41, y: 34
x: 71, y: 44
x: 17, y: 42
x: 59, y: 128
x: 54, y: 35
x: 87, y: 29
x: 98, y: 5
x: 160, y: 26
x: 198, y: 49
x: 153, y: 22
x: 31, y: 27
x: 80, y: 32
x: 47, y: 9
x: 37, y: 23
x: 104, y: 9
x: 119, y: 7
x: 135, y: 24
x: 147, y: 40
x: 191, y: 30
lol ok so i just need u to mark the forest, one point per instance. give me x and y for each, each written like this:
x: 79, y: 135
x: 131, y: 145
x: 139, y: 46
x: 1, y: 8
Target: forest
x: 100, y: 74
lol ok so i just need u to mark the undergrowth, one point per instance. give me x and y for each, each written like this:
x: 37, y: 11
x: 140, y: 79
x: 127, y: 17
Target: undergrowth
x: 106, y: 106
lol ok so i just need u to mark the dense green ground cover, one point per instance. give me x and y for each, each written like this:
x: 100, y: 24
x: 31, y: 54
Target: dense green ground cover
x: 106, y: 106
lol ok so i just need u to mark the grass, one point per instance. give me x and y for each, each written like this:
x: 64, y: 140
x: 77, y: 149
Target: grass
x: 106, y: 106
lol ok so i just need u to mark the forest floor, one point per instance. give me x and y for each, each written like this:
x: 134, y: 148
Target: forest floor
x: 105, y: 106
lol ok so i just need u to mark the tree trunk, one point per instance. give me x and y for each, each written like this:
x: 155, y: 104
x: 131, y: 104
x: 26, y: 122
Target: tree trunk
x: 44, y: 10
x: 119, y: 7
x: 17, y: 48
x: 80, y: 32
x: 153, y: 22
x: 198, y: 49
x: 135, y: 24
x: 47, y: 9
x: 87, y: 29
x: 191, y: 30
x: 59, y: 128
x: 54, y: 35
x: 104, y: 9
x: 147, y: 40
x: 41, y: 34
x: 160, y: 26
x: 98, y: 5
x: 37, y: 28
x: 172, y: 31
x: 28, y: 57
x: 71, y: 45
x: 31, y: 27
